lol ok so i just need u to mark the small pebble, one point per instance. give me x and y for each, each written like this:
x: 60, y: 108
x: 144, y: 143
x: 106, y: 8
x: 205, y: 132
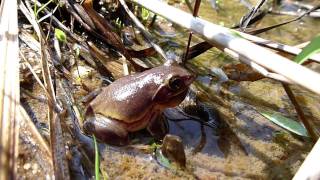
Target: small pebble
x: 27, y: 166
x: 35, y: 168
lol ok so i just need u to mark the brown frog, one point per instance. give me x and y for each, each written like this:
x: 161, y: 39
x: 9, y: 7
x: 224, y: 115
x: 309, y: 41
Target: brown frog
x: 135, y: 102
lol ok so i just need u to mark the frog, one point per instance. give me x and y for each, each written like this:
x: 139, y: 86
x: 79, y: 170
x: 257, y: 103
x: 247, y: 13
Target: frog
x: 135, y: 102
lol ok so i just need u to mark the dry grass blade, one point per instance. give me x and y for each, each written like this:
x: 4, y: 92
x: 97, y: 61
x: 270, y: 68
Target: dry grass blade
x: 257, y: 67
x: 310, y: 168
x: 246, y: 19
x: 278, y: 46
x: 258, y: 31
x: 34, y: 131
x: 61, y: 169
x: 106, y: 30
x: 9, y: 88
x: 143, y: 30
x: 57, y: 108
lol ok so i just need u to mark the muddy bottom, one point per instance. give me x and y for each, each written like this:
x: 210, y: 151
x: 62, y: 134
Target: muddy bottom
x: 253, y: 149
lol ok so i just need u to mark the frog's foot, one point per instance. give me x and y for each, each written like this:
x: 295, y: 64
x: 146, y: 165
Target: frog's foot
x: 106, y: 130
x: 158, y: 127
x: 173, y: 149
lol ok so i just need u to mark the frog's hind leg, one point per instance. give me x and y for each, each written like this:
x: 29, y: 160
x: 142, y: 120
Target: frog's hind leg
x: 106, y: 130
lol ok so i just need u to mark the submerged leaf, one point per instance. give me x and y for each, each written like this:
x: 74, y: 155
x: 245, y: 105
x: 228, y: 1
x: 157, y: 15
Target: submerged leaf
x: 241, y: 72
x: 286, y: 123
x: 163, y: 161
x: 312, y: 48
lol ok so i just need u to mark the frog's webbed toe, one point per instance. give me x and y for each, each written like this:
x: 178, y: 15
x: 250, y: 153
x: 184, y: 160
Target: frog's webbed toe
x: 106, y: 130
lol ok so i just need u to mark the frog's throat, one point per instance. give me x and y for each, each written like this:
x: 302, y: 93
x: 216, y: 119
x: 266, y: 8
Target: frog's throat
x: 174, y: 100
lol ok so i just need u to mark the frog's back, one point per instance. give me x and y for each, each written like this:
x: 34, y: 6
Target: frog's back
x: 130, y: 98
x: 127, y: 99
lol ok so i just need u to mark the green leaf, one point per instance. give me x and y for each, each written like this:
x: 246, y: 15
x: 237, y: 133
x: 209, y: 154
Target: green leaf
x: 118, y: 23
x: 60, y: 35
x: 145, y: 14
x: 286, y: 123
x: 42, y: 7
x: 162, y: 160
x: 154, y: 145
x: 96, y: 159
x: 312, y: 48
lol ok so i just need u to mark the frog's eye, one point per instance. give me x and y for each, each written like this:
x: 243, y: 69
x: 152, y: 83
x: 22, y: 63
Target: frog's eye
x: 175, y: 83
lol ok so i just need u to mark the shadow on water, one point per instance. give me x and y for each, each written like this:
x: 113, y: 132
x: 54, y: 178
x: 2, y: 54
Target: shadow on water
x: 219, y: 140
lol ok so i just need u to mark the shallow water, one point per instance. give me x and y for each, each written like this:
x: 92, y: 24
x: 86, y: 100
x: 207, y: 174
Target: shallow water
x: 247, y: 146
x: 255, y: 140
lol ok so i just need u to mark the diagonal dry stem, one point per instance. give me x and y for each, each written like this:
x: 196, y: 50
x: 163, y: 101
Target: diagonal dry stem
x: 300, y: 113
x: 58, y: 151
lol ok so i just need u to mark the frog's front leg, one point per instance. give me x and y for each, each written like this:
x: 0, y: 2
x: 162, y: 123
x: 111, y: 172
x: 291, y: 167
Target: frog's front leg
x: 158, y: 127
x: 106, y: 130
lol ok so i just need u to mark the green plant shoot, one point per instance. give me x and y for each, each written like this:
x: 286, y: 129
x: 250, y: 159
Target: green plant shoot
x: 96, y: 159
x: 312, y: 48
x: 60, y: 35
x: 145, y: 14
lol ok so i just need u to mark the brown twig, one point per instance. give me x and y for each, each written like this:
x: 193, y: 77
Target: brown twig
x: 195, y: 14
x: 300, y: 113
x: 258, y: 31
